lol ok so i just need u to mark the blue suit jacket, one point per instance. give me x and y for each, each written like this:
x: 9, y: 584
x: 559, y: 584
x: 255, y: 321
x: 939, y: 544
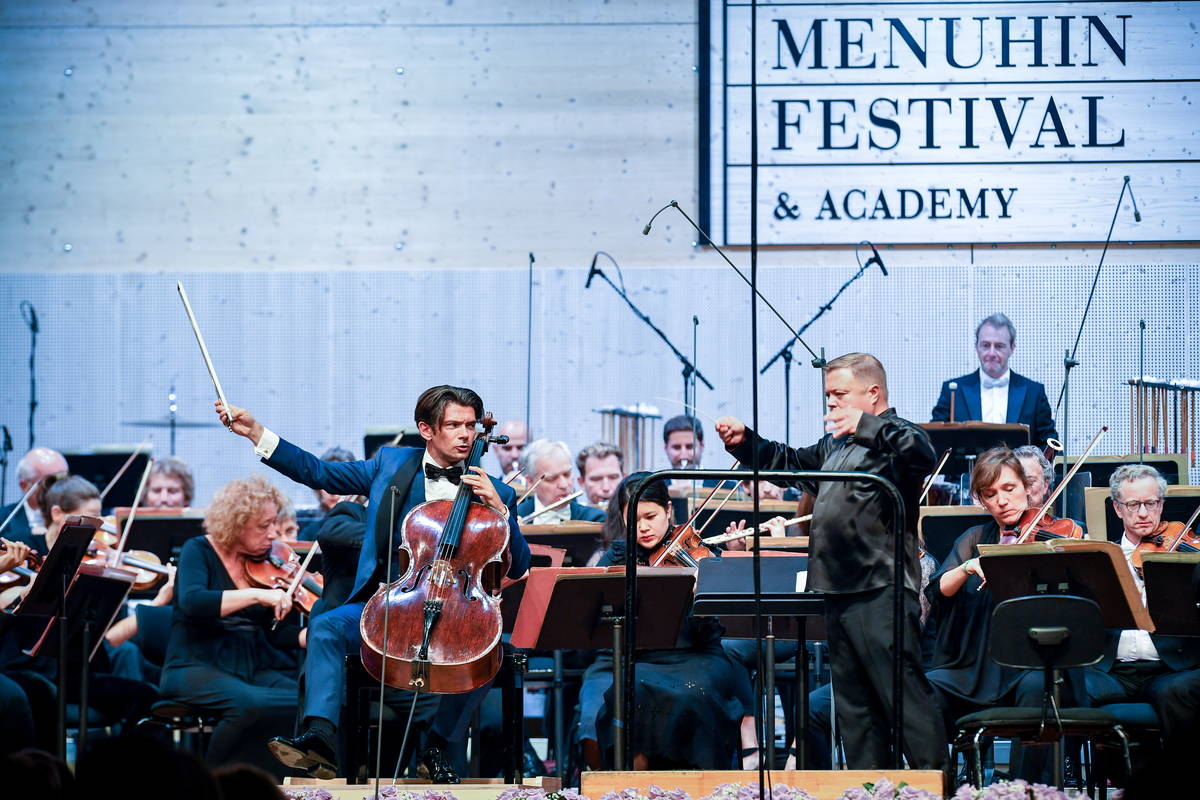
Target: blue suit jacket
x: 18, y: 530
x: 372, y: 478
x: 1027, y: 404
x: 578, y: 511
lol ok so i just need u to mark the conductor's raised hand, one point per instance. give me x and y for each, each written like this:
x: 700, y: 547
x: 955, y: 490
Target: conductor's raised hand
x: 731, y: 430
x: 483, y: 487
x: 842, y: 421
x: 240, y: 421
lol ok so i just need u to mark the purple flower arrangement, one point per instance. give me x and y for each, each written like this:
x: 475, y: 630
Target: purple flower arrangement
x: 884, y: 789
x: 391, y: 792
x: 749, y: 791
x: 308, y: 793
x: 535, y: 793
x: 1010, y: 790
x: 650, y: 793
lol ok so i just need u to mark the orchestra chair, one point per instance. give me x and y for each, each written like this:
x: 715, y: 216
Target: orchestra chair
x: 176, y: 716
x: 1050, y: 633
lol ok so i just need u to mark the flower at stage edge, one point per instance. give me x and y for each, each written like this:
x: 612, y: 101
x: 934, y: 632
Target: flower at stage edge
x: 534, y: 793
x: 1011, y: 790
x: 884, y: 789
x: 749, y: 791
x: 400, y: 793
x: 650, y: 793
x: 308, y: 793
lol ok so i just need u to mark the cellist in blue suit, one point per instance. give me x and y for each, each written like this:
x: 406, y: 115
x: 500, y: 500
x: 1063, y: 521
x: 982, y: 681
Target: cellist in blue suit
x: 994, y: 393
x: 446, y: 417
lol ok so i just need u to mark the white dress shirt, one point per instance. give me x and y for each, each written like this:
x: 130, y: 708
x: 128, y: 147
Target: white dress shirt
x: 993, y: 396
x: 552, y: 517
x: 1135, y: 645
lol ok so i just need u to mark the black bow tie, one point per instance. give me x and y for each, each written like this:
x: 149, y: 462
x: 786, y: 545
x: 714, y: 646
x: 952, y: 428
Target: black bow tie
x: 452, y: 474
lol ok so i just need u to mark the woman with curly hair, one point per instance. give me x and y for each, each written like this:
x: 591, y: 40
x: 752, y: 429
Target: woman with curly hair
x: 223, y: 655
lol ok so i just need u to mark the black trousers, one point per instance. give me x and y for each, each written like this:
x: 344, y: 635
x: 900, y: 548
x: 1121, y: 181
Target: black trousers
x: 859, y: 628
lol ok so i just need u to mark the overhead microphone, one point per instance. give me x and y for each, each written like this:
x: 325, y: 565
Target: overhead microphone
x: 646, y: 230
x: 30, y: 315
x: 592, y: 272
x: 876, y: 258
x: 1137, y: 215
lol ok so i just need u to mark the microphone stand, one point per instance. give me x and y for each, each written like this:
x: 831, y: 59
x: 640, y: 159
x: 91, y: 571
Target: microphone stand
x: 690, y: 373
x: 785, y: 353
x: 30, y: 317
x: 1141, y: 388
x: 1069, y: 360
x: 6, y: 447
x: 693, y: 401
x: 529, y: 348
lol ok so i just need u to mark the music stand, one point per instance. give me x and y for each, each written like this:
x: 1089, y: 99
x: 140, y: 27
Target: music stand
x: 579, y: 538
x: 968, y: 439
x: 1082, y: 567
x: 583, y: 608
x: 99, y: 468
x: 161, y: 531
x: 725, y: 589
x: 1173, y: 592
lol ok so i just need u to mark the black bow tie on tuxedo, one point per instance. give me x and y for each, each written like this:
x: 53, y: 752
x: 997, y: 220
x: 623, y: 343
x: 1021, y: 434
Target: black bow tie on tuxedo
x: 452, y: 474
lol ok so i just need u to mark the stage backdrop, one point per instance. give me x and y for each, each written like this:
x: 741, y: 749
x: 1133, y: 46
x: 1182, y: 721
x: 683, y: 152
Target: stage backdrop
x: 350, y: 193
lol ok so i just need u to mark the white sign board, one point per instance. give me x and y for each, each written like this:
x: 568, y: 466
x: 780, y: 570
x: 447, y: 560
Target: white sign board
x: 952, y: 122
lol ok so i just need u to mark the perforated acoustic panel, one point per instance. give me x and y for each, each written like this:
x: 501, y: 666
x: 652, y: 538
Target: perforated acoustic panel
x: 319, y: 356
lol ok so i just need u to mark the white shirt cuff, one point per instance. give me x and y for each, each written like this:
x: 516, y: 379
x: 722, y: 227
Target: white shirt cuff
x: 267, y: 444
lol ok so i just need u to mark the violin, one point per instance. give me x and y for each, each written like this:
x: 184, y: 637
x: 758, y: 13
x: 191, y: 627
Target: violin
x: 684, y: 546
x: 437, y: 628
x: 1037, y: 524
x: 1169, y: 537
x: 278, y: 568
x: 22, y: 573
x: 147, y: 566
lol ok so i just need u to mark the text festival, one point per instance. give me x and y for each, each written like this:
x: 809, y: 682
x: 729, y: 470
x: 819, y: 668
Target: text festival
x: 949, y: 48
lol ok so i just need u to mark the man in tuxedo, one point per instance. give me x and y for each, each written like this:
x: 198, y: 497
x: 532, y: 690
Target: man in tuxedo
x: 601, y: 467
x: 994, y: 393
x: 550, y: 462
x: 1140, y: 666
x: 27, y: 525
x: 446, y: 417
x: 509, y: 455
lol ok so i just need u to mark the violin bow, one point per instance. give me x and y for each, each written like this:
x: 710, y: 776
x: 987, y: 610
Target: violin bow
x: 114, y: 557
x: 1187, y: 526
x: 124, y: 467
x: 508, y: 481
x: 553, y: 506
x: 933, y: 476
x: 717, y: 510
x: 212, y: 372
x: 291, y: 590
x: 529, y: 491
x: 1062, y: 485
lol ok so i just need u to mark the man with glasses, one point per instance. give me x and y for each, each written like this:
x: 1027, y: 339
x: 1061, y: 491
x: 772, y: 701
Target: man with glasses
x: 1140, y: 666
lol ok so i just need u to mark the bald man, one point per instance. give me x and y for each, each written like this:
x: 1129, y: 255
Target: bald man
x: 27, y: 525
x: 509, y: 455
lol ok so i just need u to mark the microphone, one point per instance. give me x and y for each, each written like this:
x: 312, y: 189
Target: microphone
x: 953, y: 391
x: 30, y: 315
x: 531, y: 259
x: 592, y: 272
x: 646, y: 230
x: 7, y: 445
x: 1137, y: 215
x: 875, y: 257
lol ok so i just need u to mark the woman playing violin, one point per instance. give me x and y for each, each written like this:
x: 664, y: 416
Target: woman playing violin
x: 963, y: 676
x: 225, y: 653
x: 689, y: 699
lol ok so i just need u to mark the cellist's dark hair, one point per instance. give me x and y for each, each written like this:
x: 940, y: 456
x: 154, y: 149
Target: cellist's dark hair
x: 614, y: 519
x: 431, y: 405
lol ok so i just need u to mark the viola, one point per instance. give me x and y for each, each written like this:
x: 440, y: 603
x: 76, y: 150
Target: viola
x: 437, y: 629
x: 278, y: 568
x: 1169, y: 537
x: 681, y: 548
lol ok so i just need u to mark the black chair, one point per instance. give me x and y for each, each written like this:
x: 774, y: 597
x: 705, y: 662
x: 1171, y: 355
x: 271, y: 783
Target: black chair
x: 176, y: 716
x: 1050, y: 633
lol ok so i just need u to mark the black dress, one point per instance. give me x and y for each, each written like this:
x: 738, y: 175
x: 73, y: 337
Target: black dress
x: 234, y: 665
x: 689, y: 700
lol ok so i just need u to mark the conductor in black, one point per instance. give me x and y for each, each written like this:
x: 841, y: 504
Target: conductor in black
x: 851, y: 558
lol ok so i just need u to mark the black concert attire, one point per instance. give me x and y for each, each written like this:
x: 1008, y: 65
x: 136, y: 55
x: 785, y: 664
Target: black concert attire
x: 19, y: 530
x: 689, y: 700
x: 340, y: 534
x: 851, y: 561
x: 1027, y: 404
x: 1161, y: 670
x: 575, y: 511
x: 234, y: 665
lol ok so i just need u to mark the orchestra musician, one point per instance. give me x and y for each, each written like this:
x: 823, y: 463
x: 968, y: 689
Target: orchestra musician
x: 683, y: 442
x: 601, y: 467
x: 17, y: 729
x: 690, y: 699
x: 1140, y: 666
x: 851, y: 557
x: 224, y: 654
x: 1039, y: 473
x: 964, y: 677
x: 170, y: 484
x: 994, y: 393
x: 508, y: 455
x: 325, y: 500
x: 446, y: 417
x: 27, y: 525
x: 549, y: 465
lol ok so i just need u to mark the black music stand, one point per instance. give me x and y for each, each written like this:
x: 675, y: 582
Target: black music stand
x: 966, y: 440
x: 162, y: 532
x: 100, y: 468
x: 580, y: 539
x: 1173, y: 592
x: 1082, y: 567
x: 725, y: 589
x: 583, y: 608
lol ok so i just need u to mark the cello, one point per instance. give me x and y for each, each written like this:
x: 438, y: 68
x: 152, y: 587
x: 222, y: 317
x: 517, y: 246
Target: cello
x: 437, y: 629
